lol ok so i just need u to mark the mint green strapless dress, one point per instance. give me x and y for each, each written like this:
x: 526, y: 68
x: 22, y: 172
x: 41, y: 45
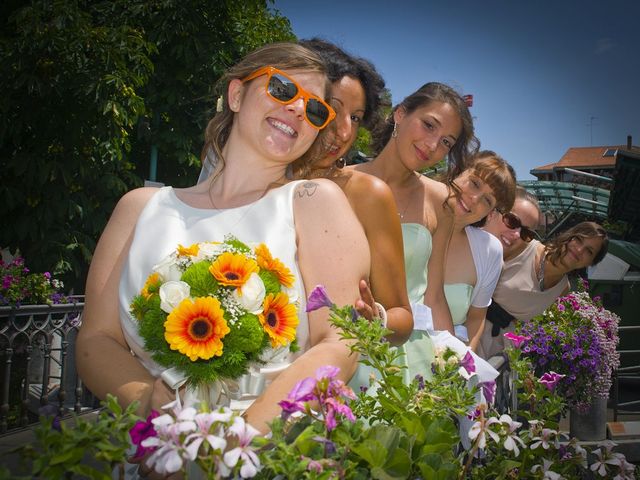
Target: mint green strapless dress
x: 418, y: 350
x: 458, y: 297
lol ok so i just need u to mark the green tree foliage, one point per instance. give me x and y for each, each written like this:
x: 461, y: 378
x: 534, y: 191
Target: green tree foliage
x: 88, y: 87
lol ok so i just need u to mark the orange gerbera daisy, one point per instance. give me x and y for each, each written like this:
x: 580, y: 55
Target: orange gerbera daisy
x: 279, y: 319
x: 190, y: 251
x: 196, y: 328
x: 266, y: 261
x: 233, y: 269
x: 153, y: 282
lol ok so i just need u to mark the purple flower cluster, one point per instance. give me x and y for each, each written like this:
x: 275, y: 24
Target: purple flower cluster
x: 329, y: 392
x: 19, y: 286
x: 575, y: 337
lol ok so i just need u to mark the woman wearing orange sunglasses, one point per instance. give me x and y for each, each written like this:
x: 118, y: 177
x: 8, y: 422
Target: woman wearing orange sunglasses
x: 534, y: 274
x: 272, y: 112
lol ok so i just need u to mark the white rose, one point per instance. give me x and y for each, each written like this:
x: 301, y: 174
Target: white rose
x: 207, y: 250
x: 252, y: 296
x: 172, y: 293
x: 292, y: 293
x: 168, y: 269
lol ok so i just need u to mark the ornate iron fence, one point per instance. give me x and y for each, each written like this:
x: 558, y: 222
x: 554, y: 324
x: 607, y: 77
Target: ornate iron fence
x: 37, y: 364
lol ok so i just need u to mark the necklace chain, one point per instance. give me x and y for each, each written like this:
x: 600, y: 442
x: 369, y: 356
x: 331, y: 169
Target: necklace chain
x: 541, y: 271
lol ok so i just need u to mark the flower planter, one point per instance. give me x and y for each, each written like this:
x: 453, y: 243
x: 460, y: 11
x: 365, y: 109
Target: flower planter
x: 591, y: 425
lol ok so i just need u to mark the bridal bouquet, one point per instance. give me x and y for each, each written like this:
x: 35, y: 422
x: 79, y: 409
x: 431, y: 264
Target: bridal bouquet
x: 212, y: 309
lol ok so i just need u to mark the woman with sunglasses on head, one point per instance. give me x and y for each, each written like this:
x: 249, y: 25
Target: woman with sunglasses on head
x: 534, y: 274
x: 474, y: 257
x: 273, y: 110
x: 430, y: 124
x: 356, y: 96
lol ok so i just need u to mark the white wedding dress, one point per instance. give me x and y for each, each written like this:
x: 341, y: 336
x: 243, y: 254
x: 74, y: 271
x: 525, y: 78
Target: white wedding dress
x: 164, y: 223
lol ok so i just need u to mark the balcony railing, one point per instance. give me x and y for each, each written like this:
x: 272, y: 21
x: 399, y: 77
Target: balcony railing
x: 37, y: 364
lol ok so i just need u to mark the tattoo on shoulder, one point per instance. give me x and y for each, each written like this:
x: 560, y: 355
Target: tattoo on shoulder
x: 307, y: 189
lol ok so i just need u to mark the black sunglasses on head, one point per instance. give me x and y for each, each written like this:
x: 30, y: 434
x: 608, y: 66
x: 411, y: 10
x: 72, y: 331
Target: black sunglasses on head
x: 512, y: 221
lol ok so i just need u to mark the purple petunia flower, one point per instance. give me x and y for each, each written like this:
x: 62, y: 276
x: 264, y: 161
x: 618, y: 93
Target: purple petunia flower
x: 468, y: 363
x: 142, y: 430
x: 489, y: 390
x: 318, y: 299
x: 550, y: 380
x: 517, y: 340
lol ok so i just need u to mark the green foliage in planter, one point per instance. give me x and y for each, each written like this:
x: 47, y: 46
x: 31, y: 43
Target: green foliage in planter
x: 77, y: 446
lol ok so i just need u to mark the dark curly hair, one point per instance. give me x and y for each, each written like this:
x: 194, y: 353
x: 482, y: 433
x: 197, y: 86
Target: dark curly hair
x: 557, y: 247
x: 340, y: 64
x: 467, y: 143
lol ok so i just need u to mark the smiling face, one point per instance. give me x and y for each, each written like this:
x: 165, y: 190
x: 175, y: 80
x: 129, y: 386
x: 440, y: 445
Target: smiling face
x: 581, y: 252
x: 348, y: 100
x: 275, y: 130
x: 426, y: 135
x: 474, y: 198
x: 510, y: 238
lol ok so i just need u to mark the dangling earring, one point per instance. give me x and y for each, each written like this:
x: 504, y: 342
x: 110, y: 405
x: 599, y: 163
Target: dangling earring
x: 340, y: 163
x: 394, y: 134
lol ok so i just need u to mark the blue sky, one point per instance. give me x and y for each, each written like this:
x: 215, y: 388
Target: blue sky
x: 539, y: 70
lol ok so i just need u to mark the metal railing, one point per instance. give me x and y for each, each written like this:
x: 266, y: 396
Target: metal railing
x: 628, y: 374
x: 37, y: 364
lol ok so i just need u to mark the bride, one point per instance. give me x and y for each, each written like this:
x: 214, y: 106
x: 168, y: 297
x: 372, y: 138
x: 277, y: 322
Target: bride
x: 273, y: 110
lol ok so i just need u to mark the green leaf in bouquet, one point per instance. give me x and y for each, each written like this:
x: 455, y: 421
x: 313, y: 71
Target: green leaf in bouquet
x: 202, y: 283
x: 247, y: 335
x: 237, y: 244
x: 270, y: 280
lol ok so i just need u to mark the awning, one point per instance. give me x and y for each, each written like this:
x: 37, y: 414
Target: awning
x: 563, y: 198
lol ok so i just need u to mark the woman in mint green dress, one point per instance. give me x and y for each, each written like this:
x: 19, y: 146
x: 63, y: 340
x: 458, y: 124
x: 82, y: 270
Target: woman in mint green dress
x: 432, y: 123
x: 474, y: 257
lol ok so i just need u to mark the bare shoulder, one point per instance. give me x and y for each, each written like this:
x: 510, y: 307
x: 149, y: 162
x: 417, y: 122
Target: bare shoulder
x: 436, y: 191
x: 310, y: 191
x: 131, y: 203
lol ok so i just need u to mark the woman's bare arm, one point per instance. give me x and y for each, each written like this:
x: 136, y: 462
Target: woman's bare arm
x: 332, y: 251
x: 103, y: 358
x: 375, y: 207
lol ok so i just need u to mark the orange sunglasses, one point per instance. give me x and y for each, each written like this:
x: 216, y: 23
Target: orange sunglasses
x: 283, y: 89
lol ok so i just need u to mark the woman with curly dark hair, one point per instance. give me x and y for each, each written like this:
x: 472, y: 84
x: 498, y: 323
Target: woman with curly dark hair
x: 534, y: 278
x: 356, y: 96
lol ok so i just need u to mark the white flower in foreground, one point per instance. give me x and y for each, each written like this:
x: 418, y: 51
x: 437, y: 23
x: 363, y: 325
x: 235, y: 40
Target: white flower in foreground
x: 480, y: 429
x: 250, y: 461
x: 545, y: 468
x: 512, y: 440
x: 172, y: 293
x: 207, y: 250
x: 251, y: 295
x: 548, y: 438
x: 168, y: 269
x: 170, y: 453
x: 204, y: 432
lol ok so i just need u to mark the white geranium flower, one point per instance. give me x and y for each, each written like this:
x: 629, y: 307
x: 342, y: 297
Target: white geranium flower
x: 251, y: 295
x: 172, y: 293
x: 207, y: 250
x: 168, y: 269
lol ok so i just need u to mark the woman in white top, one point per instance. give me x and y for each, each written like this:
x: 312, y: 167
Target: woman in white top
x: 474, y: 257
x: 273, y: 109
